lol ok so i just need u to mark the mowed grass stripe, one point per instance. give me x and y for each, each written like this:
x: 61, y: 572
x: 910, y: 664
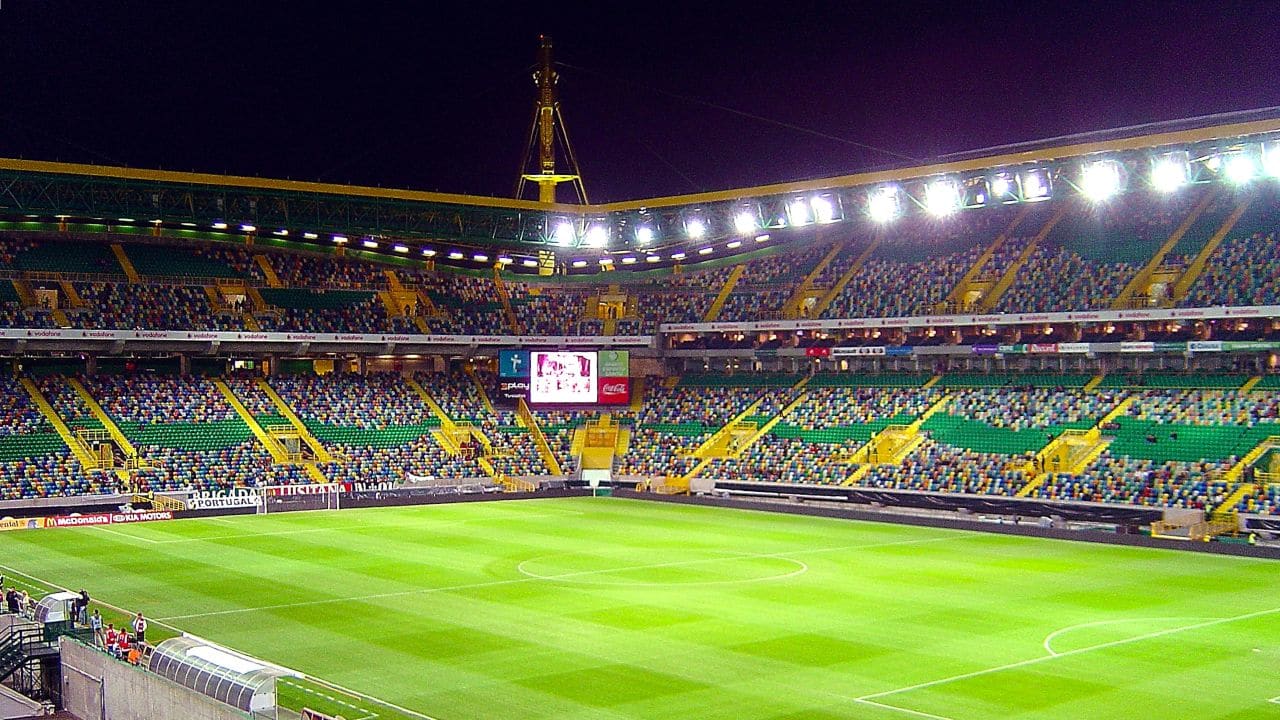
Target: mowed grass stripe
x: 858, y: 621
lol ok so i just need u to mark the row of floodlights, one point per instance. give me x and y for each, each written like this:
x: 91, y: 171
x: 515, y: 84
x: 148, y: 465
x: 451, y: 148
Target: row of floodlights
x: 1097, y: 180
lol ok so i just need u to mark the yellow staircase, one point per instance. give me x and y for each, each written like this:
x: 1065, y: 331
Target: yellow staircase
x: 125, y: 263
x: 1184, y: 283
x: 531, y: 424
x: 101, y: 416
x: 730, y: 282
x: 273, y: 280
x: 77, y: 448
x: 890, y: 445
x: 278, y: 454
x: 958, y: 299
x: 931, y: 382
x: 791, y: 308
x: 1250, y: 384
x: 1072, y: 450
x: 992, y: 296
x: 446, y: 436
x: 1094, y: 382
x: 834, y: 291
x: 318, y: 450
x: 484, y: 394
x: 637, y: 394
x: 512, y: 321
x: 74, y: 301
x: 25, y: 295
x: 1226, y: 510
x: 1234, y: 473
x: 1140, y: 284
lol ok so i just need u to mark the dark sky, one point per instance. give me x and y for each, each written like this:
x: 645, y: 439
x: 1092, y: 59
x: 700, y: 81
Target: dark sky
x: 423, y: 96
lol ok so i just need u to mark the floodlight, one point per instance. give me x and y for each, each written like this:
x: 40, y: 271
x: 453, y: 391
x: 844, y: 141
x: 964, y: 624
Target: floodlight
x: 340, y: 239
x: 597, y: 236
x: 704, y: 251
x: 679, y: 256
x: 1240, y: 169
x: 579, y: 263
x: 1169, y: 172
x: 281, y: 232
x: 120, y: 219
x: 401, y: 248
x: 628, y: 260
x: 185, y: 224
x: 1001, y: 185
x: 1271, y: 159
x: 219, y: 226
x: 695, y: 228
x: 563, y: 233
x: 824, y: 211
x: 478, y: 257
x: 652, y: 258
x: 455, y: 255
x: 1035, y: 185
x: 428, y: 252
x: 882, y: 206
x: 762, y: 238
x: 606, y: 261
x: 734, y: 245
x: 799, y: 213
x: 248, y: 228
x: 504, y: 260
x: 644, y: 234
x: 744, y: 222
x: 310, y: 235
x: 369, y: 244
x: 529, y: 263
x: 1100, y: 180
x: 942, y: 197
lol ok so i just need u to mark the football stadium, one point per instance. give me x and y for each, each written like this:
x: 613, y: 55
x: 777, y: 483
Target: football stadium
x: 995, y: 435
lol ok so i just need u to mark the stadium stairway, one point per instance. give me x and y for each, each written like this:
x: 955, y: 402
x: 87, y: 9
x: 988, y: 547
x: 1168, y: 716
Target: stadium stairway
x: 513, y: 322
x: 890, y: 445
x: 81, y: 453
x: 1136, y: 292
x: 1072, y: 450
x: 1183, y: 284
x: 268, y: 272
x: 963, y: 295
x: 113, y: 430
x: 531, y: 424
x: 722, y: 297
x: 318, y: 450
x: 480, y: 390
x: 931, y: 382
x: 791, y: 308
x: 1093, y: 383
x: 834, y: 291
x: 992, y: 296
x: 125, y: 263
x: 801, y: 396
x: 447, y: 437
x: 1250, y: 384
x: 74, y: 301
x: 278, y: 454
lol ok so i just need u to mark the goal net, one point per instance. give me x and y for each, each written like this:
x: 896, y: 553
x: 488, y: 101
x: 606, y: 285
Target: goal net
x: 290, y: 498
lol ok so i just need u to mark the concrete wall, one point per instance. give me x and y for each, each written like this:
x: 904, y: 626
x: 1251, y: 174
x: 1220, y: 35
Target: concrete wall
x: 96, y: 686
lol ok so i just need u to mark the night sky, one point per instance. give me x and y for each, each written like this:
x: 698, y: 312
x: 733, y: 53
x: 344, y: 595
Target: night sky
x: 419, y: 96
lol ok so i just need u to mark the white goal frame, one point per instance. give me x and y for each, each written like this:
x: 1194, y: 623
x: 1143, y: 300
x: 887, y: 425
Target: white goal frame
x: 325, y: 496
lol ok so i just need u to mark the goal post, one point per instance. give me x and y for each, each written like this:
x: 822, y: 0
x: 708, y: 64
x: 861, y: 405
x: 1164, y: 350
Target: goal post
x: 290, y: 498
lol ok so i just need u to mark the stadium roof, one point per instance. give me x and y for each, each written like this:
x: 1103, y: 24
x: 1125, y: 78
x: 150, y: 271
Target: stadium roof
x: 121, y: 199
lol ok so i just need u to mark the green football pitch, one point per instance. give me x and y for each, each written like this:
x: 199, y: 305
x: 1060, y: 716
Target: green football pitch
x: 612, y: 608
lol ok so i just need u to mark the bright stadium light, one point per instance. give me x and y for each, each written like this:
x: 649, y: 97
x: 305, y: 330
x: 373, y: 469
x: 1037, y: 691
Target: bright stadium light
x: 824, y: 210
x: 628, y: 260
x: 695, y: 228
x: 401, y: 248
x: 455, y: 255
x: 563, y: 233
x: 479, y: 257
x: 428, y: 252
x: 597, y: 236
x: 679, y: 256
x: 1035, y: 186
x: 644, y: 234
x: 1169, y: 172
x: 1240, y: 169
x: 310, y: 235
x: 1271, y: 159
x: 744, y: 222
x: 1001, y: 186
x: 882, y: 206
x: 799, y: 213
x: 1100, y: 180
x: 340, y: 239
x: 652, y: 258
x: 248, y: 228
x: 704, y: 251
x: 942, y: 197
x: 371, y: 244
x: 219, y: 226
x: 529, y: 263
x: 734, y: 245
x: 504, y: 260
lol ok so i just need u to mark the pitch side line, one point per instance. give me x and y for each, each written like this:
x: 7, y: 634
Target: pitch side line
x: 1069, y: 653
x: 553, y: 578
x: 117, y: 608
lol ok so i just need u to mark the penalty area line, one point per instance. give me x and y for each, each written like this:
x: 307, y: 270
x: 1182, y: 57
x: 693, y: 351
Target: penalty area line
x: 1068, y: 653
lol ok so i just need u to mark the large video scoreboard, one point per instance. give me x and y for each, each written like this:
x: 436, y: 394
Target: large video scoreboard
x: 564, y: 377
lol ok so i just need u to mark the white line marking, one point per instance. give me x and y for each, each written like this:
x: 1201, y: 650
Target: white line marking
x: 801, y: 568
x: 126, y: 535
x: 909, y: 711
x: 1048, y: 639
x: 55, y: 586
x: 1069, y: 653
x: 1275, y: 700
x: 528, y: 579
